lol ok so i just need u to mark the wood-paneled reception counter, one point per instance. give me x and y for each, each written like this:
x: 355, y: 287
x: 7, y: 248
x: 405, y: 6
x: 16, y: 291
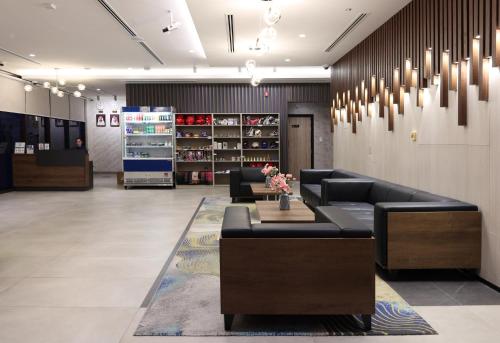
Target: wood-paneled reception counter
x: 53, y: 170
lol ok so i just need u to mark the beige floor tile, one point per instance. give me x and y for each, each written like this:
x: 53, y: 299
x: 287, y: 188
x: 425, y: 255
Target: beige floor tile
x: 101, y: 267
x: 120, y: 249
x: 74, y: 292
x: 8, y: 282
x: 22, y: 266
x: 63, y: 325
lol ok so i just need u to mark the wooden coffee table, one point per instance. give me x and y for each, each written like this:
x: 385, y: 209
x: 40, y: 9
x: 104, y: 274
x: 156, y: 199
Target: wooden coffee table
x: 269, y: 212
x: 260, y: 189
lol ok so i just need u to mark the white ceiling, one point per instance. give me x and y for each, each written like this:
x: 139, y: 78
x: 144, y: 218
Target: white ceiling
x: 81, y: 34
x: 322, y: 21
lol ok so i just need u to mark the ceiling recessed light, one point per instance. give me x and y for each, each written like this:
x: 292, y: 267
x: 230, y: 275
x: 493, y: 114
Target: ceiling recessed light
x: 98, y: 89
x: 32, y: 55
x: 191, y: 51
x: 287, y: 60
x: 302, y: 35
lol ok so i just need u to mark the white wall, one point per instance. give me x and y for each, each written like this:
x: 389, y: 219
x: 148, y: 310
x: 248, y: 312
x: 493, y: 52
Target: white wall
x: 38, y: 102
x: 104, y: 143
x: 12, y: 96
x: 454, y: 161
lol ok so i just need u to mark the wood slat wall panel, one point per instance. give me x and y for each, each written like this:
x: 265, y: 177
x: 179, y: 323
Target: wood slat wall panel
x: 449, y: 28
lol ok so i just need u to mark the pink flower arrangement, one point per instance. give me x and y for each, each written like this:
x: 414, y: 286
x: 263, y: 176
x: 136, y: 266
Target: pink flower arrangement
x: 269, y: 170
x: 279, y: 182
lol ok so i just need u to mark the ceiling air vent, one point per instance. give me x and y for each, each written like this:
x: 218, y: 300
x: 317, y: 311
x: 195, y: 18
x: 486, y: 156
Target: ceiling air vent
x: 230, y: 32
x: 130, y: 31
x: 348, y: 30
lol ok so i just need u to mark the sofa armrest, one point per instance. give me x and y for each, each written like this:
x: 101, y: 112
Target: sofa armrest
x: 433, y: 219
x: 355, y: 190
x: 236, y: 222
x: 234, y: 182
x: 314, y: 176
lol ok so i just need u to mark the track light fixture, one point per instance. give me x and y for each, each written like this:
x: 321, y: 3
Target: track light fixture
x: 81, y: 87
x: 60, y: 94
x: 28, y: 88
x: 54, y: 90
x: 77, y: 94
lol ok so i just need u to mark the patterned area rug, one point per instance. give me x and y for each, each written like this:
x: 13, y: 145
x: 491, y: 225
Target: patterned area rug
x: 186, y: 302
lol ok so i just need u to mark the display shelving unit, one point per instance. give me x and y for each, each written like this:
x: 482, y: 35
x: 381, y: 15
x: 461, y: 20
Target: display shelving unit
x: 148, y: 146
x: 234, y: 142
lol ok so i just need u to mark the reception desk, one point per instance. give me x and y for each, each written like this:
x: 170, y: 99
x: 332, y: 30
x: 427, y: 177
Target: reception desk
x: 53, y: 170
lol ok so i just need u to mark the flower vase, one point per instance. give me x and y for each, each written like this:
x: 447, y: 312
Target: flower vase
x: 284, y: 202
x: 268, y: 181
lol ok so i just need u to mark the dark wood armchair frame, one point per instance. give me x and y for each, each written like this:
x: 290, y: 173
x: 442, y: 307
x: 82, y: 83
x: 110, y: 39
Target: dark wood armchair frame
x: 297, y: 276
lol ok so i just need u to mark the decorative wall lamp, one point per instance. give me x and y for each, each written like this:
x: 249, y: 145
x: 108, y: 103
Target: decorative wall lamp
x: 414, y: 78
x: 396, y: 84
x: 420, y: 98
x: 381, y: 98
x: 390, y: 120
x: 445, y: 71
x: 408, y: 75
x: 454, y: 76
x: 373, y: 86
x: 484, y: 79
x: 475, y: 61
x: 401, y: 106
x: 428, y: 64
x: 462, y: 93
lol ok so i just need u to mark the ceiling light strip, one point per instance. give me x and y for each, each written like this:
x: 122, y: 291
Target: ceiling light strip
x: 19, y: 56
x: 127, y: 28
x: 351, y: 27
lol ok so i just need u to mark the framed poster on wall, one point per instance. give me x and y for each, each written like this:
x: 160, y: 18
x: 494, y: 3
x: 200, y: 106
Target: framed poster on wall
x: 100, y: 120
x: 114, y: 120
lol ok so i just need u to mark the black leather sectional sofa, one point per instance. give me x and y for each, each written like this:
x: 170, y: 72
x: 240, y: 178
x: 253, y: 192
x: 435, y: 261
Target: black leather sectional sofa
x: 265, y: 267
x: 413, y: 229
x: 240, y: 180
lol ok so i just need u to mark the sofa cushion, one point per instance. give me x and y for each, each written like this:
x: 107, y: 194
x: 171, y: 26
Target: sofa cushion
x: 378, y: 192
x: 399, y: 193
x: 252, y: 174
x: 348, y: 224
x: 362, y: 211
x: 356, y: 190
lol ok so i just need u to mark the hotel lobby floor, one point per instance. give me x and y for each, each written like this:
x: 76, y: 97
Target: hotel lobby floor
x: 76, y: 267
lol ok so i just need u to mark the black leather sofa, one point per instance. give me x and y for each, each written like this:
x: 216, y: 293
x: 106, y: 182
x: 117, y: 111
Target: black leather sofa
x: 413, y: 229
x: 310, y: 182
x: 240, y: 180
x: 296, y: 269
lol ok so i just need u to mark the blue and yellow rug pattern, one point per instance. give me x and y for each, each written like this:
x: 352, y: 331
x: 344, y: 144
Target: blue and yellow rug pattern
x: 187, y: 301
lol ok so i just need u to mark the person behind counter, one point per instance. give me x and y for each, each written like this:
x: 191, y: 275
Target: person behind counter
x: 79, y: 144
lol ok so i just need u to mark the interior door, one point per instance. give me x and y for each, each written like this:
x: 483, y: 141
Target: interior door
x: 299, y: 144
